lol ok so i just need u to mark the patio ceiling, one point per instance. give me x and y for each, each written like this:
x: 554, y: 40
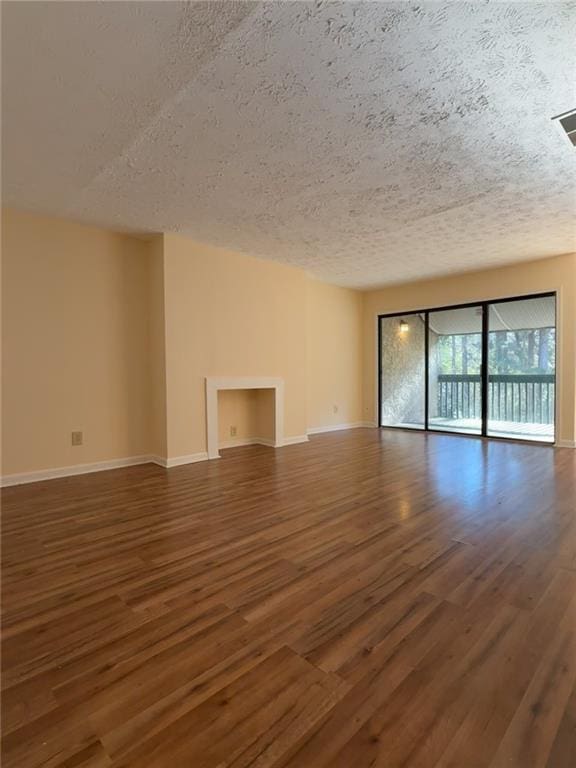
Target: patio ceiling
x: 507, y: 316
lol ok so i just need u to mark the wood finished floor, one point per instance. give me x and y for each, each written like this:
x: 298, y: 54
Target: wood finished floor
x: 368, y: 599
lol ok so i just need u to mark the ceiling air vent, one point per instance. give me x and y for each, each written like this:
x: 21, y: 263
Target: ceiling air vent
x: 568, y: 122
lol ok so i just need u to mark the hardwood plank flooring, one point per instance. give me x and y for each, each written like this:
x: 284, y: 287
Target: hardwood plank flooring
x: 370, y: 598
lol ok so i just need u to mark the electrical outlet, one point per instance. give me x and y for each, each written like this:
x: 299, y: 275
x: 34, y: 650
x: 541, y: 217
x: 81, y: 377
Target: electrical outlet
x: 76, y: 438
x: 335, y: 409
x: 232, y: 431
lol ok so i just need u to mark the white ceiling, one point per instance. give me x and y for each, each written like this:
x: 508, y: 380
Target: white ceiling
x: 369, y: 143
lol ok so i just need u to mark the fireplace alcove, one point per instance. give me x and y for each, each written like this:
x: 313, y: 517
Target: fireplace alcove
x: 215, y: 384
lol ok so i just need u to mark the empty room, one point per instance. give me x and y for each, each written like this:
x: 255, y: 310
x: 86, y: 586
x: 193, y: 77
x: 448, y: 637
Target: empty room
x: 288, y: 384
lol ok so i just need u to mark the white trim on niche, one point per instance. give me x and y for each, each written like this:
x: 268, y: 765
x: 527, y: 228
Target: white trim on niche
x: 77, y: 469
x: 216, y: 383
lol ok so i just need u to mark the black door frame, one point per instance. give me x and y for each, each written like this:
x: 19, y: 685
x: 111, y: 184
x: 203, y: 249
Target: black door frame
x: 484, y: 372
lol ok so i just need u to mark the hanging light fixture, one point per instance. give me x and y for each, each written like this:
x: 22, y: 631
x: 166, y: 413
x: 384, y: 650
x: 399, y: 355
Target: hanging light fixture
x: 403, y: 327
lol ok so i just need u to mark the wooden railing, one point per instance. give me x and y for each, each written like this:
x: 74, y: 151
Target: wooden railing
x: 519, y: 398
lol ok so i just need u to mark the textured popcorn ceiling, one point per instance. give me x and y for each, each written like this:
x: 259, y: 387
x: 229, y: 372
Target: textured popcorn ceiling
x: 366, y: 142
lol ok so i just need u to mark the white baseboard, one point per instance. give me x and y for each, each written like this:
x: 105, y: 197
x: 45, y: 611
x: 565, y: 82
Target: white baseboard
x: 566, y: 444
x: 236, y: 442
x: 239, y: 441
x: 295, y: 440
x: 101, y: 466
x: 76, y: 469
x: 179, y: 461
x: 268, y: 443
x: 338, y: 427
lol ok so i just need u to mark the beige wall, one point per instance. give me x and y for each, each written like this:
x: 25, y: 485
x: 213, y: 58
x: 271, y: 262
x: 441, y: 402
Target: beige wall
x: 556, y: 274
x: 333, y: 339
x: 157, y: 342
x: 229, y: 315
x: 75, y: 344
x: 114, y: 336
x: 334, y: 354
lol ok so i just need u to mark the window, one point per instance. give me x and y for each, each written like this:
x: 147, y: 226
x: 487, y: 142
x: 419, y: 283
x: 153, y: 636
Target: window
x: 485, y: 369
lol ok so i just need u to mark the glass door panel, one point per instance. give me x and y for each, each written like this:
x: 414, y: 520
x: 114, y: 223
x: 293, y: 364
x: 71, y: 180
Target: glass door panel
x: 455, y: 370
x: 522, y: 368
x: 402, y: 371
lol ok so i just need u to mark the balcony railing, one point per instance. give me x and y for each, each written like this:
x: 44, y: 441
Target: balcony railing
x: 527, y: 399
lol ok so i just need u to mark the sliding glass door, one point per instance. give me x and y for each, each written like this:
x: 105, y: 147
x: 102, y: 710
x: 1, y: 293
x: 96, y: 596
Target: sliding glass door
x: 481, y: 369
x: 522, y: 369
x: 402, y: 369
x: 455, y: 370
